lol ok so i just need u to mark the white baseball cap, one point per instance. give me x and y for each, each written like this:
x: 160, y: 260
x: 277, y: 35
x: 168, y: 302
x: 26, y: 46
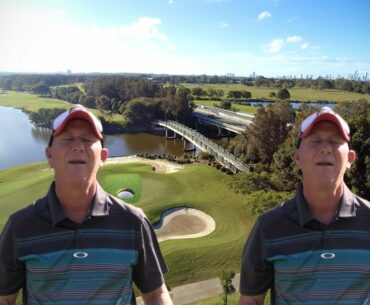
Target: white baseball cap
x: 77, y: 112
x: 324, y: 114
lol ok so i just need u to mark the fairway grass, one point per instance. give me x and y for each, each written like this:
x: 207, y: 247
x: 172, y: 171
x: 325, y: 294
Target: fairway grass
x: 197, y: 185
x: 32, y: 102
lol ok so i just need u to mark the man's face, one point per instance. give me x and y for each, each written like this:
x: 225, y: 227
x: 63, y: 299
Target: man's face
x: 76, y: 153
x: 324, y: 155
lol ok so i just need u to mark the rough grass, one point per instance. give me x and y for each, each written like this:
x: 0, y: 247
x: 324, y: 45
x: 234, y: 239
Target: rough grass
x: 296, y: 94
x: 197, y: 186
x: 32, y: 102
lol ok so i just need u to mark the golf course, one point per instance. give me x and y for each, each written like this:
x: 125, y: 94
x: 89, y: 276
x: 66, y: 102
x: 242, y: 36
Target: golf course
x: 195, y: 186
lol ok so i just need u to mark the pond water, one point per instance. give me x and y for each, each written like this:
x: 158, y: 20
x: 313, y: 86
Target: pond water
x: 21, y: 142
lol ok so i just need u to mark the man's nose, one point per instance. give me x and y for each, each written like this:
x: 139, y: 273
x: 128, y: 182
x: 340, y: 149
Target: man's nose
x: 77, y: 145
x: 325, y: 147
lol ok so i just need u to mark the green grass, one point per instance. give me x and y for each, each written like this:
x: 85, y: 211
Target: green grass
x: 197, y: 185
x: 116, y: 183
x: 231, y: 299
x: 217, y: 300
x: 296, y: 94
x: 32, y: 102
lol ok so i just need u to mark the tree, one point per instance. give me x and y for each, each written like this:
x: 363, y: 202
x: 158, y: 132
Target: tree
x: 226, y: 277
x: 246, y: 94
x: 103, y: 103
x: 215, y: 93
x: 358, y: 177
x: 235, y: 94
x: 45, y: 116
x: 142, y: 111
x: 284, y: 167
x: 269, y: 129
x: 198, y: 91
x: 283, y: 94
x: 225, y: 105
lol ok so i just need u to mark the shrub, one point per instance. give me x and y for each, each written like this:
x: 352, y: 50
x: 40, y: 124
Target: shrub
x: 261, y: 201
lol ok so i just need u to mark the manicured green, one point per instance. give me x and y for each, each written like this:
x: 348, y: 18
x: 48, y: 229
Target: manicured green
x: 296, y: 94
x: 32, y: 102
x: 116, y: 183
x: 197, y: 185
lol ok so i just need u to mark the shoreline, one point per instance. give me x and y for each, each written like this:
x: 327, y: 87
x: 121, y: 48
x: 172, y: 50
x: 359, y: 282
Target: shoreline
x: 160, y: 165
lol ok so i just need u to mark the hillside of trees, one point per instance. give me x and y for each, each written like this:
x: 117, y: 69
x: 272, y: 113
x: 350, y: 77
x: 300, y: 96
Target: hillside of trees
x: 268, y: 145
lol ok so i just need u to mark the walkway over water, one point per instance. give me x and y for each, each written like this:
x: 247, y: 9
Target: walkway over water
x: 203, y: 143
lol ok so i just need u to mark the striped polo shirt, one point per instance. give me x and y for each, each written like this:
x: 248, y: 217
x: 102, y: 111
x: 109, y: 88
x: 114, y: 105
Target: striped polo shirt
x: 306, y: 262
x: 57, y: 261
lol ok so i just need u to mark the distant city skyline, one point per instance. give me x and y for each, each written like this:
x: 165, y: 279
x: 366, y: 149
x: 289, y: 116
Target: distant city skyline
x: 272, y: 38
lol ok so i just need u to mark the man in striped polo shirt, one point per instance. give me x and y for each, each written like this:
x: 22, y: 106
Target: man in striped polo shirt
x: 315, y: 248
x: 79, y: 245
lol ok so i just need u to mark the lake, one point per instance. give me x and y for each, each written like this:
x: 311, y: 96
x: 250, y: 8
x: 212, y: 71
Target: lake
x: 21, y: 142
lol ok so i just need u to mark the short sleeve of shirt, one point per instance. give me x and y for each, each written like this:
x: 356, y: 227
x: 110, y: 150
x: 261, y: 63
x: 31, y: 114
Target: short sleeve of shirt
x: 257, y: 274
x: 12, y: 271
x: 150, y: 267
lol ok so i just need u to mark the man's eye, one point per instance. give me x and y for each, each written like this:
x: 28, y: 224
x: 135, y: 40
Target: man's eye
x: 335, y: 142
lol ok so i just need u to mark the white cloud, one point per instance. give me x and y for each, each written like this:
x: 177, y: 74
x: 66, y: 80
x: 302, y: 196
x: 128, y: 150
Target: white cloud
x: 49, y: 41
x: 304, y: 45
x: 224, y: 25
x: 275, y: 46
x: 278, y: 44
x: 264, y: 15
x: 144, y: 28
x: 293, y: 39
x: 171, y: 47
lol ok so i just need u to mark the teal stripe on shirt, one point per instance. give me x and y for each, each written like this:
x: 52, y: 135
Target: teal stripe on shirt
x: 308, y: 277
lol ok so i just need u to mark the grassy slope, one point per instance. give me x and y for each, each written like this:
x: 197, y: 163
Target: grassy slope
x: 232, y: 299
x: 296, y: 94
x: 32, y: 102
x: 197, y: 186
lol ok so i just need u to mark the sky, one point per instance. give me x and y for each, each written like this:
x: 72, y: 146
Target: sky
x: 273, y: 38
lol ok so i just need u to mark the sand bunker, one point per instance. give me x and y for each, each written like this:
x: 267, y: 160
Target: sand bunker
x: 176, y: 223
x: 160, y: 165
x: 184, y: 223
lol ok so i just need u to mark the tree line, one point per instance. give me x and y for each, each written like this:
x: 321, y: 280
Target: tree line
x: 268, y: 144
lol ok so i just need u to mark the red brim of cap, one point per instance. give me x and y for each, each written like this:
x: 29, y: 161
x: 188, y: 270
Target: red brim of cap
x: 327, y: 117
x: 83, y: 115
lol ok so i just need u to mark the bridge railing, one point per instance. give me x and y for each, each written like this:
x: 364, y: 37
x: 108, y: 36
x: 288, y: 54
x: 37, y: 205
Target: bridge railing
x: 205, y: 143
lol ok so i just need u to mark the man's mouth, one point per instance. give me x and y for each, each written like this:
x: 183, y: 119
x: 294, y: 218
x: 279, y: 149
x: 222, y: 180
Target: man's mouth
x: 324, y: 164
x: 76, y: 162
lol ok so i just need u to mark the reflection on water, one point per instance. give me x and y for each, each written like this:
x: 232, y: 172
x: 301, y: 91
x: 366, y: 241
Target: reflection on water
x: 21, y: 142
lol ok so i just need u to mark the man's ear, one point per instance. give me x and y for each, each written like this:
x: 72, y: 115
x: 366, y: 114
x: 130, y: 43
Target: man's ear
x: 351, y: 157
x: 48, y: 155
x: 104, y: 155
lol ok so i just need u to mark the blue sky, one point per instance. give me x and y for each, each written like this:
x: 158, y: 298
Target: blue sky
x: 268, y: 37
